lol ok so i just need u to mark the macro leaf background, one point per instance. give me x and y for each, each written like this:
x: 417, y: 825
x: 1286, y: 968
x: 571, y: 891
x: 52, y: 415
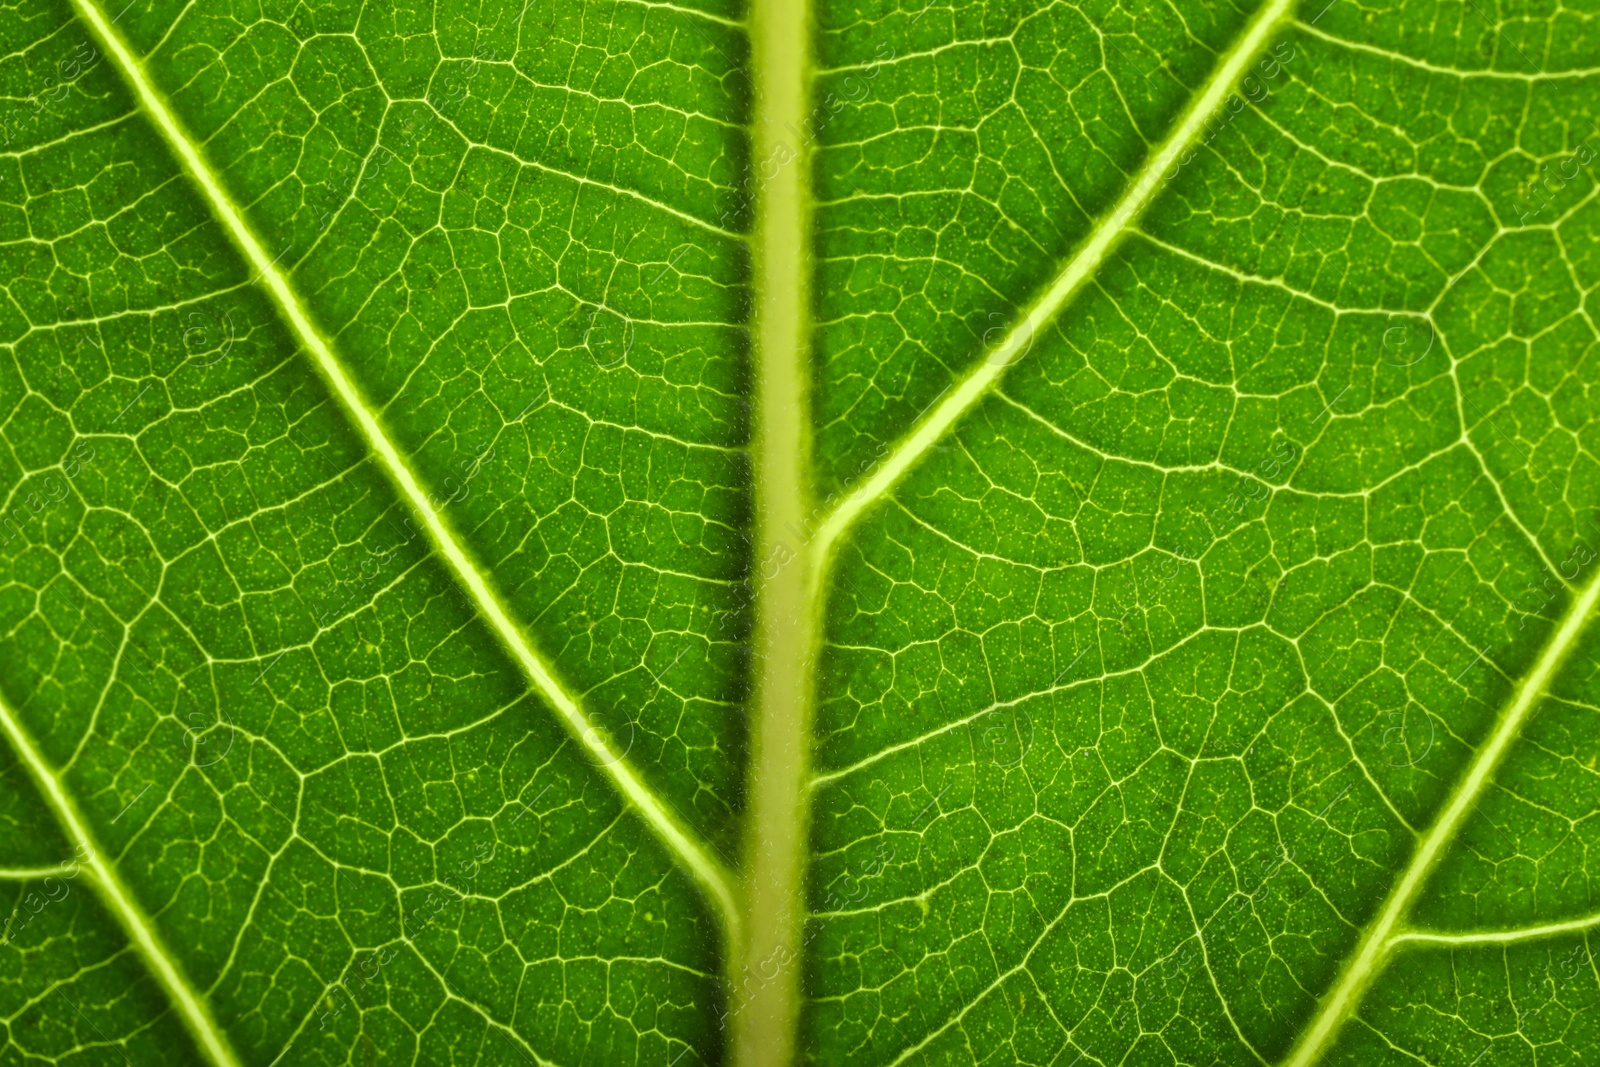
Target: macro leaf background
x: 1140, y: 695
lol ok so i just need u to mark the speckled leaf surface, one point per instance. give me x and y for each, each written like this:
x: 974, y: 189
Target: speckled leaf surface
x: 1202, y: 531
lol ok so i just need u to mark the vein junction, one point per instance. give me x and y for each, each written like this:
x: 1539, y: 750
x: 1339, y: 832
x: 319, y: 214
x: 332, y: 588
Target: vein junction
x: 141, y: 932
x: 1378, y: 937
x: 1079, y: 269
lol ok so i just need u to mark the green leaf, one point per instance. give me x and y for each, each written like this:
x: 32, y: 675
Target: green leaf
x: 581, y: 532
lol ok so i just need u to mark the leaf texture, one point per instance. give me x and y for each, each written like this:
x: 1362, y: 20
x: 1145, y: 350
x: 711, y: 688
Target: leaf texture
x: 570, y: 532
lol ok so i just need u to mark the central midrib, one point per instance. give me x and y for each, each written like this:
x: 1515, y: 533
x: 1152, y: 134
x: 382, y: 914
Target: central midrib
x: 765, y: 996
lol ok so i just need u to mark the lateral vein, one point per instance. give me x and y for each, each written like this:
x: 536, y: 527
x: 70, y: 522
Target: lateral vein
x: 692, y: 855
x: 141, y: 932
x: 1496, y: 937
x: 1078, y: 270
x: 35, y: 874
x: 1345, y: 995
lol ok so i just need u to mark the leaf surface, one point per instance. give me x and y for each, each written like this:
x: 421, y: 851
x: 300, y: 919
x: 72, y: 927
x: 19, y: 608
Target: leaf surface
x: 625, y: 533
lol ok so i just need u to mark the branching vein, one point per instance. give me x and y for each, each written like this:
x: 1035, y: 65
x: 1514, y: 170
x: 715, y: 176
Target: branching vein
x: 1082, y: 266
x: 1369, y: 956
x: 191, y: 1007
